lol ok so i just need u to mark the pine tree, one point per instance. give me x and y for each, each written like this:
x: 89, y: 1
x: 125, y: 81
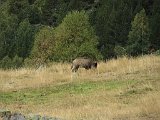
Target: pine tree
x: 8, y: 26
x: 155, y: 25
x: 20, y: 8
x: 24, y: 39
x: 113, y: 24
x: 139, y: 35
x: 48, y: 8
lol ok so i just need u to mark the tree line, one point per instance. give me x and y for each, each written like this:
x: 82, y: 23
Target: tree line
x: 35, y: 32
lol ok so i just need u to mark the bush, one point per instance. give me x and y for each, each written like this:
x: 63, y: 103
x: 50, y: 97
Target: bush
x: 43, y: 46
x: 75, y: 37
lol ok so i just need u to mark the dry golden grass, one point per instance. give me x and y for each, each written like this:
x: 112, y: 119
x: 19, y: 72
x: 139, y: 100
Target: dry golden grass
x: 25, y: 77
x: 150, y: 104
x: 137, y: 101
x: 61, y: 73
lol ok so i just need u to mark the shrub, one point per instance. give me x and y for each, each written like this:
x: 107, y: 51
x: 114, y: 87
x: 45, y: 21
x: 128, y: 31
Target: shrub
x: 75, y: 37
x: 43, y: 46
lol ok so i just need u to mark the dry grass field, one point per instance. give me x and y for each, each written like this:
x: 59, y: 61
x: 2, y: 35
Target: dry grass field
x: 120, y: 89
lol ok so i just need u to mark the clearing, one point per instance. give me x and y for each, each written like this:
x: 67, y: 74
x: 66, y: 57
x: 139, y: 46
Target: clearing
x: 121, y: 89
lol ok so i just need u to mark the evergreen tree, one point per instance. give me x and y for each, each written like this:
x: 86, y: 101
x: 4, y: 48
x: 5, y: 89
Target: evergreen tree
x: 139, y: 35
x: 34, y: 15
x: 155, y: 25
x: 20, y: 8
x: 21, y: 19
x: 112, y: 24
x: 24, y: 39
x: 48, y: 9
x: 8, y: 26
x: 80, y: 4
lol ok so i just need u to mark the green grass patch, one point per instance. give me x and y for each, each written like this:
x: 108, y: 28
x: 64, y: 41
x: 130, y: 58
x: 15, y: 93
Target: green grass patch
x: 43, y: 94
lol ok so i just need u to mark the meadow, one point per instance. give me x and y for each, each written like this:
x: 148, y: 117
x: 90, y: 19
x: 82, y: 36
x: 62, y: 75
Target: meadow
x: 120, y: 89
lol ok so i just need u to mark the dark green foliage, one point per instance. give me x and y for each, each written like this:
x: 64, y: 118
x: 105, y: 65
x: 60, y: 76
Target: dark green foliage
x: 81, y: 4
x: 20, y: 8
x: 17, y: 62
x: 47, y: 10
x: 155, y: 25
x: 139, y: 35
x: 6, y: 63
x: 53, y: 11
x: 34, y: 15
x: 109, y: 28
x: 24, y: 38
x: 31, y: 1
x: 8, y: 25
x: 112, y: 24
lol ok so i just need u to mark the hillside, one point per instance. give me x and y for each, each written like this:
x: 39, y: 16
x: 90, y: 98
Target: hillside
x: 35, y: 32
x: 124, y: 88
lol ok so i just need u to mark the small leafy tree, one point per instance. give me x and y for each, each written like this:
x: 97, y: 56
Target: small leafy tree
x: 139, y: 35
x: 43, y: 46
x: 75, y: 37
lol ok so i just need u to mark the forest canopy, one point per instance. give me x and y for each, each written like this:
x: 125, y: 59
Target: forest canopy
x: 43, y: 31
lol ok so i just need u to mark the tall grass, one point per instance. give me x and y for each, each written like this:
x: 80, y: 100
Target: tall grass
x: 61, y: 73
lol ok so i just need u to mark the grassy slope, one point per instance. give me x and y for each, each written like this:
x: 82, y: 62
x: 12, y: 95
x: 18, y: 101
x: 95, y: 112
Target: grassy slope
x: 120, y: 89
